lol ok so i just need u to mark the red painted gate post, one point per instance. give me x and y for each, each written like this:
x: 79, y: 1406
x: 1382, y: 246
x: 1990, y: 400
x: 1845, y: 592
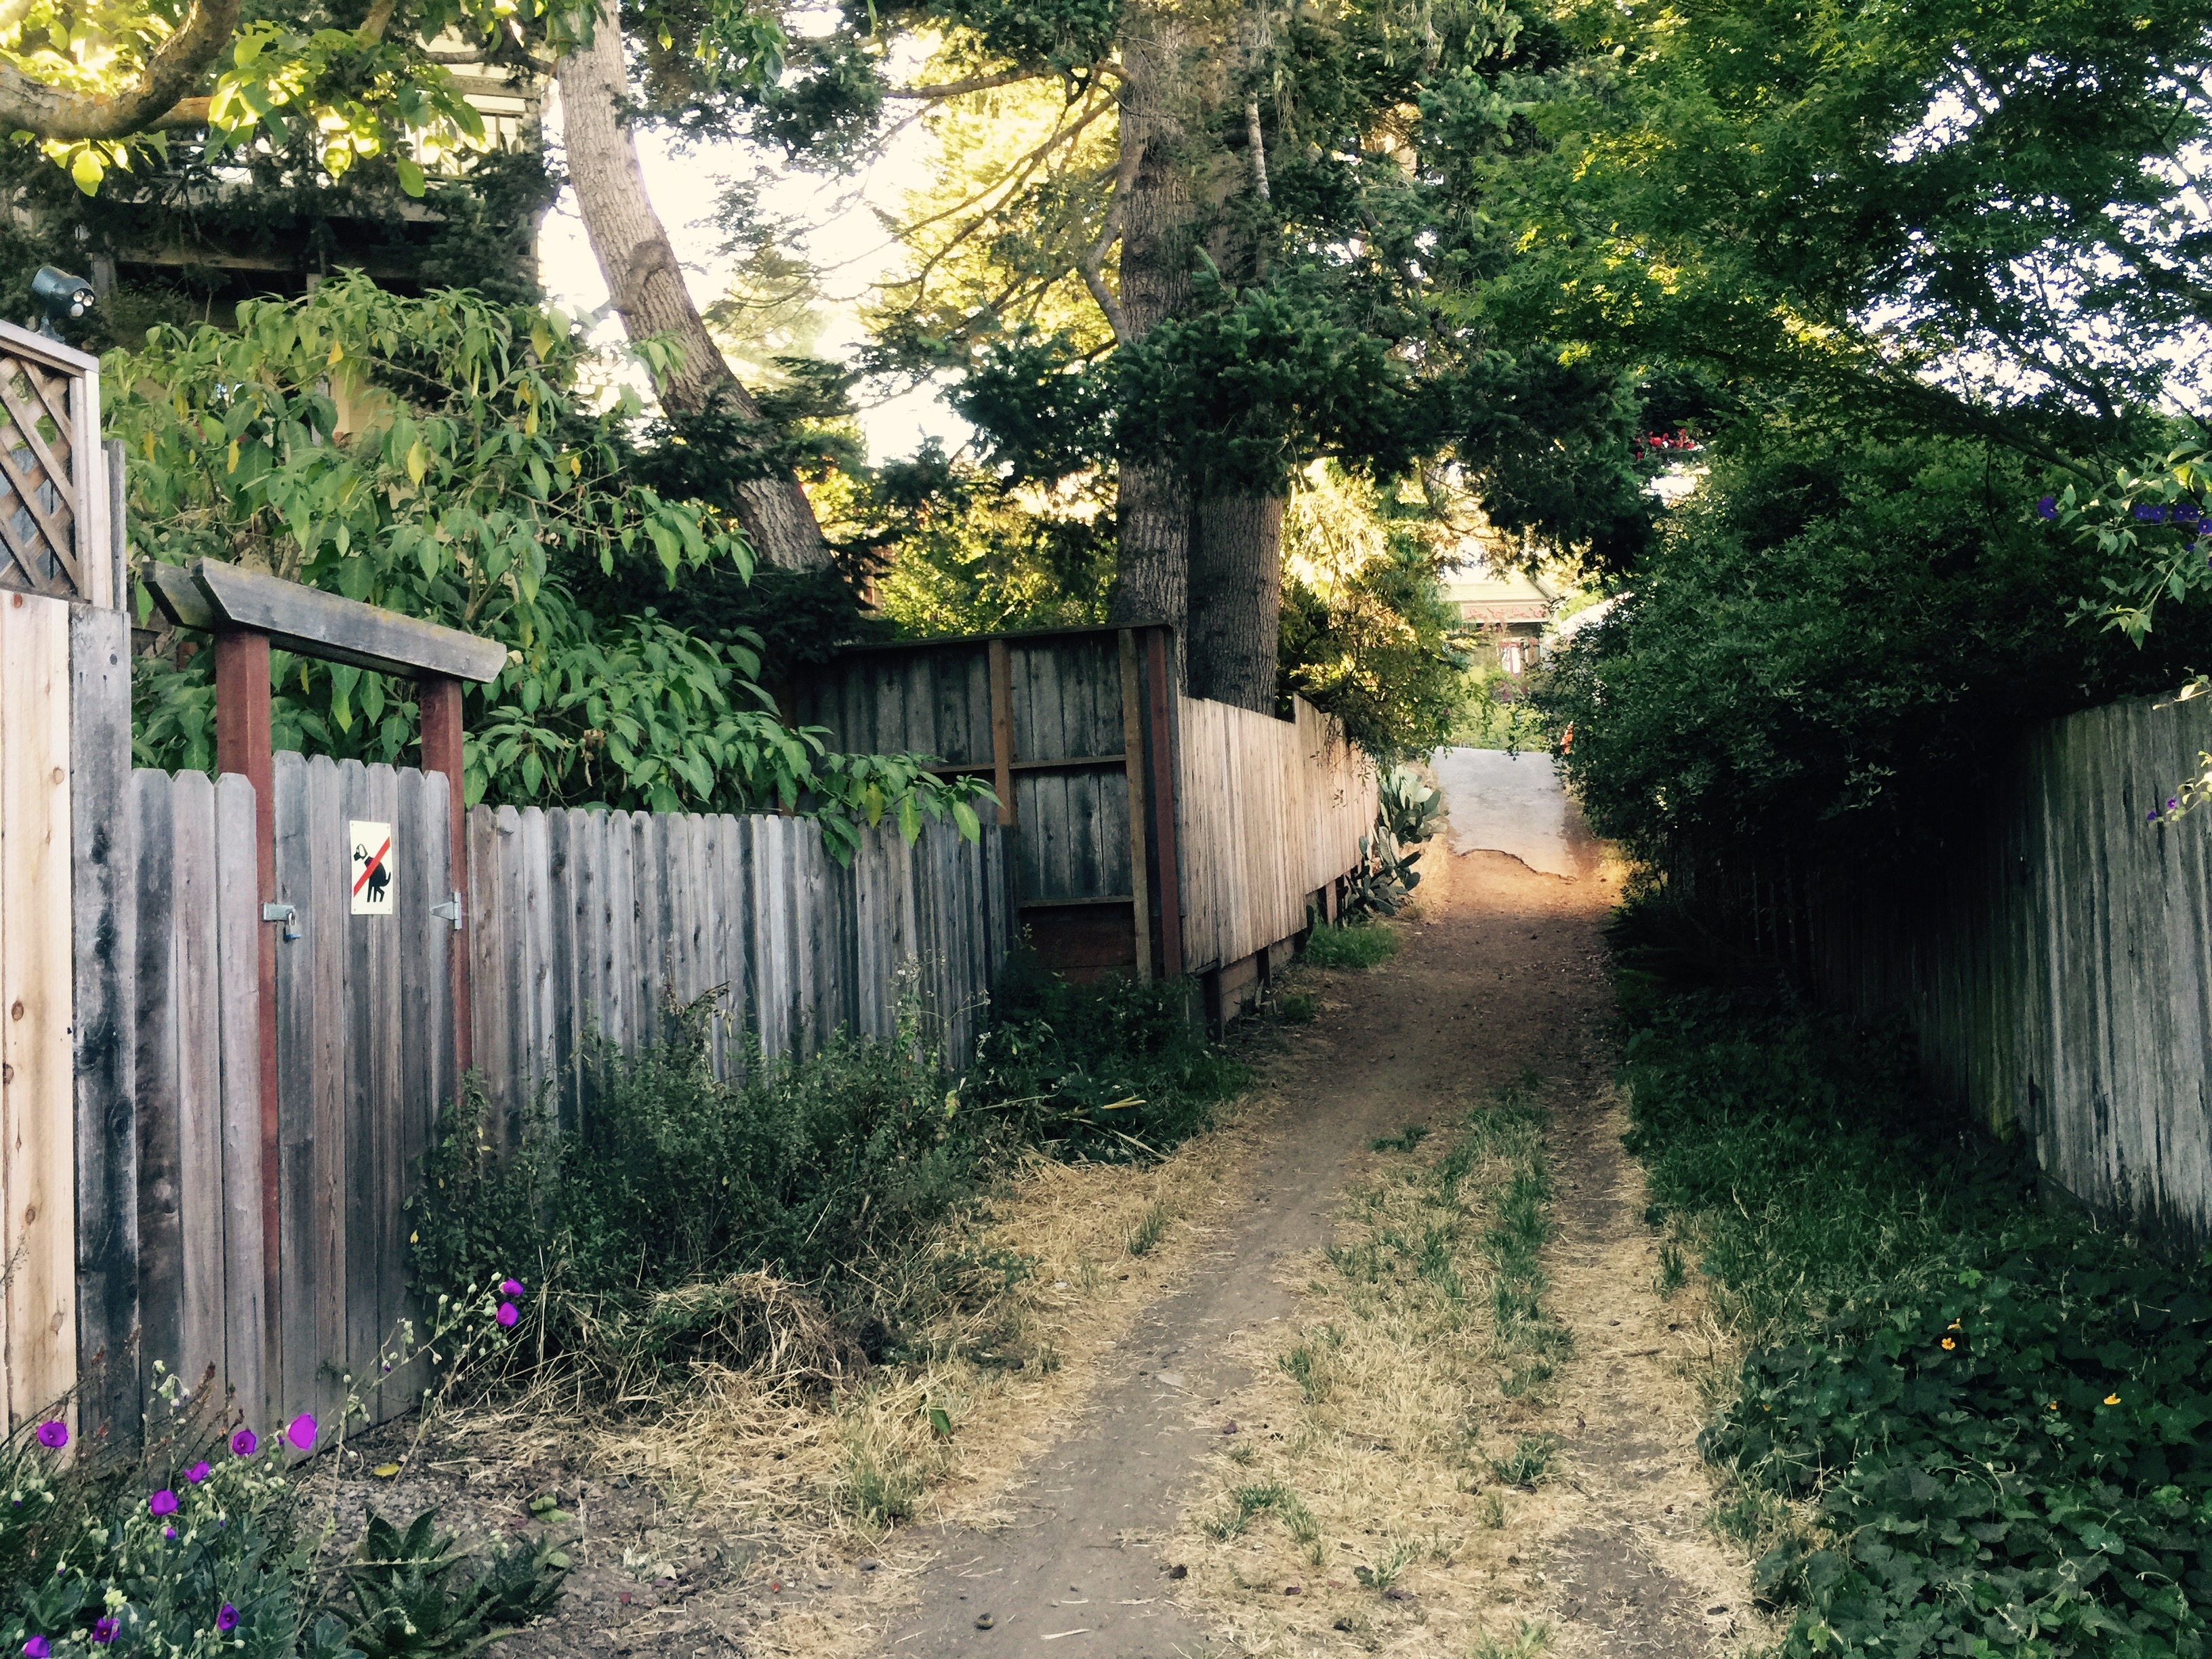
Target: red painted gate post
x: 243, y: 745
x: 439, y: 698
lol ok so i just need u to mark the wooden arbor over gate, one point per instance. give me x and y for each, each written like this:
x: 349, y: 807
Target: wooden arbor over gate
x: 249, y: 613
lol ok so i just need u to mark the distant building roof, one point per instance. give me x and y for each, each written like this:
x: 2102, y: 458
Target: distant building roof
x: 1481, y: 595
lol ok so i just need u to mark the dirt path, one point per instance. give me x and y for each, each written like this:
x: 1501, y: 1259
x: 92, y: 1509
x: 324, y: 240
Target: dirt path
x: 1502, y: 972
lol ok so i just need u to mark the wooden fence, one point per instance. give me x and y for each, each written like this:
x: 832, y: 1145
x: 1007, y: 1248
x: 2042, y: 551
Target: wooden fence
x: 1269, y: 813
x: 2058, y: 970
x: 275, y: 1255
x: 1115, y: 790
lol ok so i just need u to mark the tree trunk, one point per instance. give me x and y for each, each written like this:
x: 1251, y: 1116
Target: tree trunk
x: 1235, y: 598
x: 639, y: 264
x: 1158, y: 231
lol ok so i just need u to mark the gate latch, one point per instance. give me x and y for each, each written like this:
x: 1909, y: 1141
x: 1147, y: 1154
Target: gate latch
x: 287, y: 914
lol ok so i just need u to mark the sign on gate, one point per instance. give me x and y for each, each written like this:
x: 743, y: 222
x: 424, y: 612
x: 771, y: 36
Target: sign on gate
x: 372, y: 867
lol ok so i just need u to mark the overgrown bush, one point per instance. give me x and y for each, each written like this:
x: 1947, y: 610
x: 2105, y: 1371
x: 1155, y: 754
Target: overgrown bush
x: 1993, y: 1415
x: 674, y: 1223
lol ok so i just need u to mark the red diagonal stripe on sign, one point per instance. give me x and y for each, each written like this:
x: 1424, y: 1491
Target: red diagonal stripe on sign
x: 367, y: 868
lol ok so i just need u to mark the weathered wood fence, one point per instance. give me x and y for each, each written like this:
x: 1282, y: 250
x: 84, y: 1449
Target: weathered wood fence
x: 1116, y: 790
x: 575, y: 921
x: 2058, y: 970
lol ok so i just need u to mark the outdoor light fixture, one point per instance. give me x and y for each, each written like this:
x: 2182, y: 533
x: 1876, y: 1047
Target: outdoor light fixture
x: 60, y: 294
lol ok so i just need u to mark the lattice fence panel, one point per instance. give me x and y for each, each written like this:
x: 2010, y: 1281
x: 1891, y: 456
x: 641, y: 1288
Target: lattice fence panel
x: 53, y: 494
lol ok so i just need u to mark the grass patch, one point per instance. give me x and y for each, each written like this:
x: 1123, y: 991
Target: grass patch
x: 1964, y: 1425
x: 1151, y: 1228
x: 1387, y: 1404
x: 1353, y: 944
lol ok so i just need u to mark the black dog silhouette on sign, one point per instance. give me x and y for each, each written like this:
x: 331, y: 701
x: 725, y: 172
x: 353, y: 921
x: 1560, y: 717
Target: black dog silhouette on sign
x: 379, y: 878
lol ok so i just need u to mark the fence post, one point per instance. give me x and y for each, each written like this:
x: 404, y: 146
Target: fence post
x: 1133, y: 763
x: 439, y: 698
x: 1163, y: 794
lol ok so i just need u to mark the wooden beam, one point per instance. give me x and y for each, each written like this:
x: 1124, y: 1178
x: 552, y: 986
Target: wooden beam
x: 439, y: 698
x: 1002, y: 728
x: 296, y: 617
x: 242, y: 745
x: 1132, y: 751
x: 1157, y: 644
x: 1073, y: 763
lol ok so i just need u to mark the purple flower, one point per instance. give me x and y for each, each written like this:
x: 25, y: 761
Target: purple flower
x: 507, y: 1313
x: 2048, y: 507
x: 198, y: 1472
x: 168, y: 1532
x: 163, y: 1502
x: 104, y: 1630
x: 36, y: 1648
x: 53, y: 1435
x: 2171, y: 803
x: 301, y: 1430
x: 2150, y: 817
x: 227, y: 1620
x: 245, y: 1444
x: 510, y: 1287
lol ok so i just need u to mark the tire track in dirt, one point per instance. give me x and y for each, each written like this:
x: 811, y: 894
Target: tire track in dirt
x: 1502, y: 970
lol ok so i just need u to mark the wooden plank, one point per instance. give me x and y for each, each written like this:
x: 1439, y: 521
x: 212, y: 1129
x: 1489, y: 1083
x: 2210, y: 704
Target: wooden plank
x: 160, y: 1089
x: 512, y: 1090
x: 104, y: 943
x: 621, y: 1021
x: 491, y: 1030
x: 290, y: 1364
x: 1161, y: 798
x: 651, y: 936
x: 588, y: 852
x: 535, y: 965
x: 332, y: 1155
x: 37, y: 1088
x: 316, y: 623
x: 374, y: 1188
x: 563, y: 1023
x: 197, y: 1359
x: 238, y: 954
x: 1132, y: 747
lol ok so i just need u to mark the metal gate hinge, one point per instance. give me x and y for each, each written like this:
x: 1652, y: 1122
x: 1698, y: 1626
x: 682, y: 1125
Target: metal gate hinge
x: 449, y: 911
x: 287, y: 914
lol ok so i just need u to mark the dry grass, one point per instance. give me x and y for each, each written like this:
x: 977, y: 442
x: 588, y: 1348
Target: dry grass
x: 810, y: 1476
x: 1363, y: 1495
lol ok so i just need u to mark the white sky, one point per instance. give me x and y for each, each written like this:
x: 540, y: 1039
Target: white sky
x: 686, y: 183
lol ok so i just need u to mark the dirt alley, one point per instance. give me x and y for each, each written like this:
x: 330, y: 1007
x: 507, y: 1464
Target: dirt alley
x: 1500, y: 971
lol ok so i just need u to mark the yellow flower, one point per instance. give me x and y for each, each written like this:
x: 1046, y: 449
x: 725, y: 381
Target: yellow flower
x: 2054, y: 1405
x: 2111, y: 1400
x: 1952, y: 1326
x: 1949, y: 1343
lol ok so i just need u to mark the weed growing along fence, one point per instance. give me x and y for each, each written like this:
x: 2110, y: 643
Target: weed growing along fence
x: 1965, y: 1425
x: 690, y: 1217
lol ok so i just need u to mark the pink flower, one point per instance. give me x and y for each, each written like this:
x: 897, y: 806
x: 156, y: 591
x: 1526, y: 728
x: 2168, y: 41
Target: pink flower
x: 507, y: 1313
x: 53, y: 1435
x: 245, y: 1444
x: 105, y: 1631
x: 198, y: 1472
x: 163, y: 1502
x: 302, y: 1431
x: 227, y: 1620
x: 510, y: 1287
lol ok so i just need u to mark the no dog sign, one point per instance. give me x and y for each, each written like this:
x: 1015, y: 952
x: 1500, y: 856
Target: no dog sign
x: 372, y: 867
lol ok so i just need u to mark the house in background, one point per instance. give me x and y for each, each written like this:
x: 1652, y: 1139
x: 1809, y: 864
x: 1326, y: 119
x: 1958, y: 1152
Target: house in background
x: 1509, y: 611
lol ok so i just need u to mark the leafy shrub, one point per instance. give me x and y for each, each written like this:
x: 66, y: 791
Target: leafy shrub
x: 1406, y: 809
x: 414, y: 1592
x: 1996, y: 1414
x: 1352, y: 942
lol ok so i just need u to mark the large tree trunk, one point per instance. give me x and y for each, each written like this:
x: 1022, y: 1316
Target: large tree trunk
x: 639, y: 264
x: 1236, y: 597
x: 1158, y: 231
